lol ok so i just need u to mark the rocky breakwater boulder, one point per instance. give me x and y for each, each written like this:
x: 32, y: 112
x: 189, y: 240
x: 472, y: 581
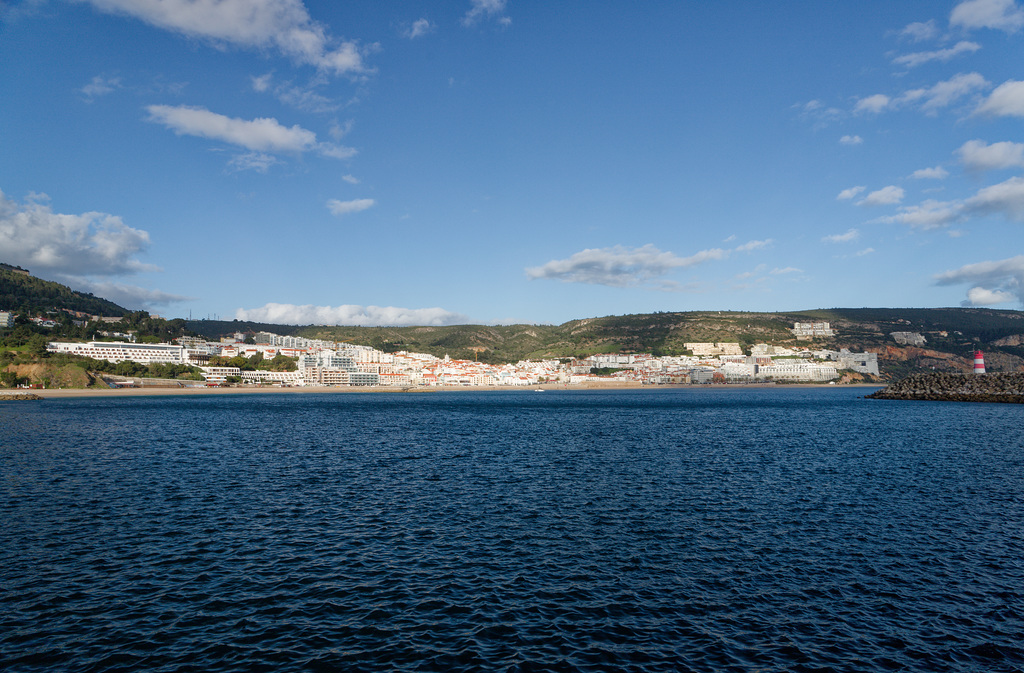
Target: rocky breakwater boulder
x: 997, y: 387
x: 19, y: 396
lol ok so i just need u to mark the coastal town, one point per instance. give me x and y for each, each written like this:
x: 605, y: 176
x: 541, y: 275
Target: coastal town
x: 312, y: 362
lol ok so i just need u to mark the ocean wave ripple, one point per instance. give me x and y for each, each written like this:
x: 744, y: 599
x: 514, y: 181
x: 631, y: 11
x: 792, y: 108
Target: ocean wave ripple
x: 767, y: 531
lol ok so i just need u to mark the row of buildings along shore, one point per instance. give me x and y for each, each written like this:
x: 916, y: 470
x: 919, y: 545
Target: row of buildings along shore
x: 327, y: 363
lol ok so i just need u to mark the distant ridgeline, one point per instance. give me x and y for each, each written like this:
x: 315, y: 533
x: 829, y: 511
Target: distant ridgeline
x: 999, y: 387
x: 21, y: 292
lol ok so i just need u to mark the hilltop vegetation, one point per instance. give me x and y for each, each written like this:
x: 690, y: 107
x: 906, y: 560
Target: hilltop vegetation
x: 21, y: 293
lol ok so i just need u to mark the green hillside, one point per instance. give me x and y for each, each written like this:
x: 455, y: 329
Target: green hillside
x: 20, y: 293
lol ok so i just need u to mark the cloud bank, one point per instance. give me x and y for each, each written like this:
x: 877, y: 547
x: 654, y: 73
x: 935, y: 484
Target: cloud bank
x: 284, y: 25
x: 349, y: 314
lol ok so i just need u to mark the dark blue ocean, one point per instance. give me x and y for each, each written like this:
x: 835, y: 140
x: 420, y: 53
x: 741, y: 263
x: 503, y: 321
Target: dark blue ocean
x: 786, y: 529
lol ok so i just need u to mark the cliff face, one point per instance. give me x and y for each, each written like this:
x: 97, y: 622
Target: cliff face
x: 1000, y: 387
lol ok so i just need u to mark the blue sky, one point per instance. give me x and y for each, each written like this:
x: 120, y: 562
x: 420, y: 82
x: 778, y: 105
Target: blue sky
x: 495, y: 161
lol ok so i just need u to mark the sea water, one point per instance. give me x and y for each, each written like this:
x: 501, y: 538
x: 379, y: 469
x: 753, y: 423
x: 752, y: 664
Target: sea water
x: 786, y: 529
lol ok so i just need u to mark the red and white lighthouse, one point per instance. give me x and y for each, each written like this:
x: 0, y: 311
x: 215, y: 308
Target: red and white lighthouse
x: 979, y: 363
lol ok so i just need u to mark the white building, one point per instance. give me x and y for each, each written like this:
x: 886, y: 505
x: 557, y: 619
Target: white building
x: 908, y: 338
x: 118, y: 351
x: 219, y: 374
x: 263, y: 376
x: 810, y: 330
x: 797, y: 370
x: 702, y: 349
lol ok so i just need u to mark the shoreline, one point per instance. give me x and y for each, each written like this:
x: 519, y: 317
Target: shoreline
x: 158, y: 391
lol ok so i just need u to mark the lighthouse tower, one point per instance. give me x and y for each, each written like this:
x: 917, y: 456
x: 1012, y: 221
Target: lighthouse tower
x: 979, y: 363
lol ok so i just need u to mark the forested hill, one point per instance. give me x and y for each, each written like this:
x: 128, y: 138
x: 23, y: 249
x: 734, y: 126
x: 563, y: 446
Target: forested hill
x: 22, y: 293
x: 951, y: 335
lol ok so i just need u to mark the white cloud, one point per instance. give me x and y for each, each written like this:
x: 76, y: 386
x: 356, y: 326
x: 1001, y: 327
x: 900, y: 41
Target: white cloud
x: 260, y: 134
x: 349, y: 314
x: 262, y: 83
x: 350, y: 179
x: 754, y: 245
x: 305, y: 98
x: 257, y: 135
x: 1002, y: 15
x: 253, y: 161
x: 340, y: 208
x: 619, y: 266
x: 945, y: 93
x: 481, y: 9
x: 35, y: 237
x: 1005, y: 198
x: 920, y: 31
x: 872, y: 104
x: 922, y: 57
x: 930, y: 214
x: 1006, y: 101
x: 848, y: 194
x: 851, y: 140
x: 100, y: 86
x: 930, y: 99
x: 979, y: 296
x: 785, y: 271
x: 850, y: 235
x: 993, y: 282
x: 886, y: 196
x: 865, y: 251
x: 419, y: 28
x: 281, y: 24
x: 335, y: 151
x: 936, y: 173
x: 339, y: 131
x: 980, y: 156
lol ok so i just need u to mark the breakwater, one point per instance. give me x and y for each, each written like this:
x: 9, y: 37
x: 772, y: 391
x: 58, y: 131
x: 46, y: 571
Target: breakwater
x: 19, y: 396
x: 1000, y: 387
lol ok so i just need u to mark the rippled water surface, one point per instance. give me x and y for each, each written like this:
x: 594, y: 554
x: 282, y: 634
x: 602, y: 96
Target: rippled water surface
x: 652, y: 530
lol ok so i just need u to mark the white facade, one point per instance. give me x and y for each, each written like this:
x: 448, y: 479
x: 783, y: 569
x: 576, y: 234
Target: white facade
x: 809, y: 330
x: 702, y: 349
x: 263, y: 376
x: 797, y: 371
x: 117, y: 351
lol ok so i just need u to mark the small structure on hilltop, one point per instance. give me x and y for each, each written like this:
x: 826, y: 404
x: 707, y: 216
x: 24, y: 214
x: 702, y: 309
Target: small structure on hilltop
x: 979, y: 362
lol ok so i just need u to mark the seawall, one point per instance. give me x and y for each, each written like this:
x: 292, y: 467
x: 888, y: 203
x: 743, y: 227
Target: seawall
x: 998, y: 387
